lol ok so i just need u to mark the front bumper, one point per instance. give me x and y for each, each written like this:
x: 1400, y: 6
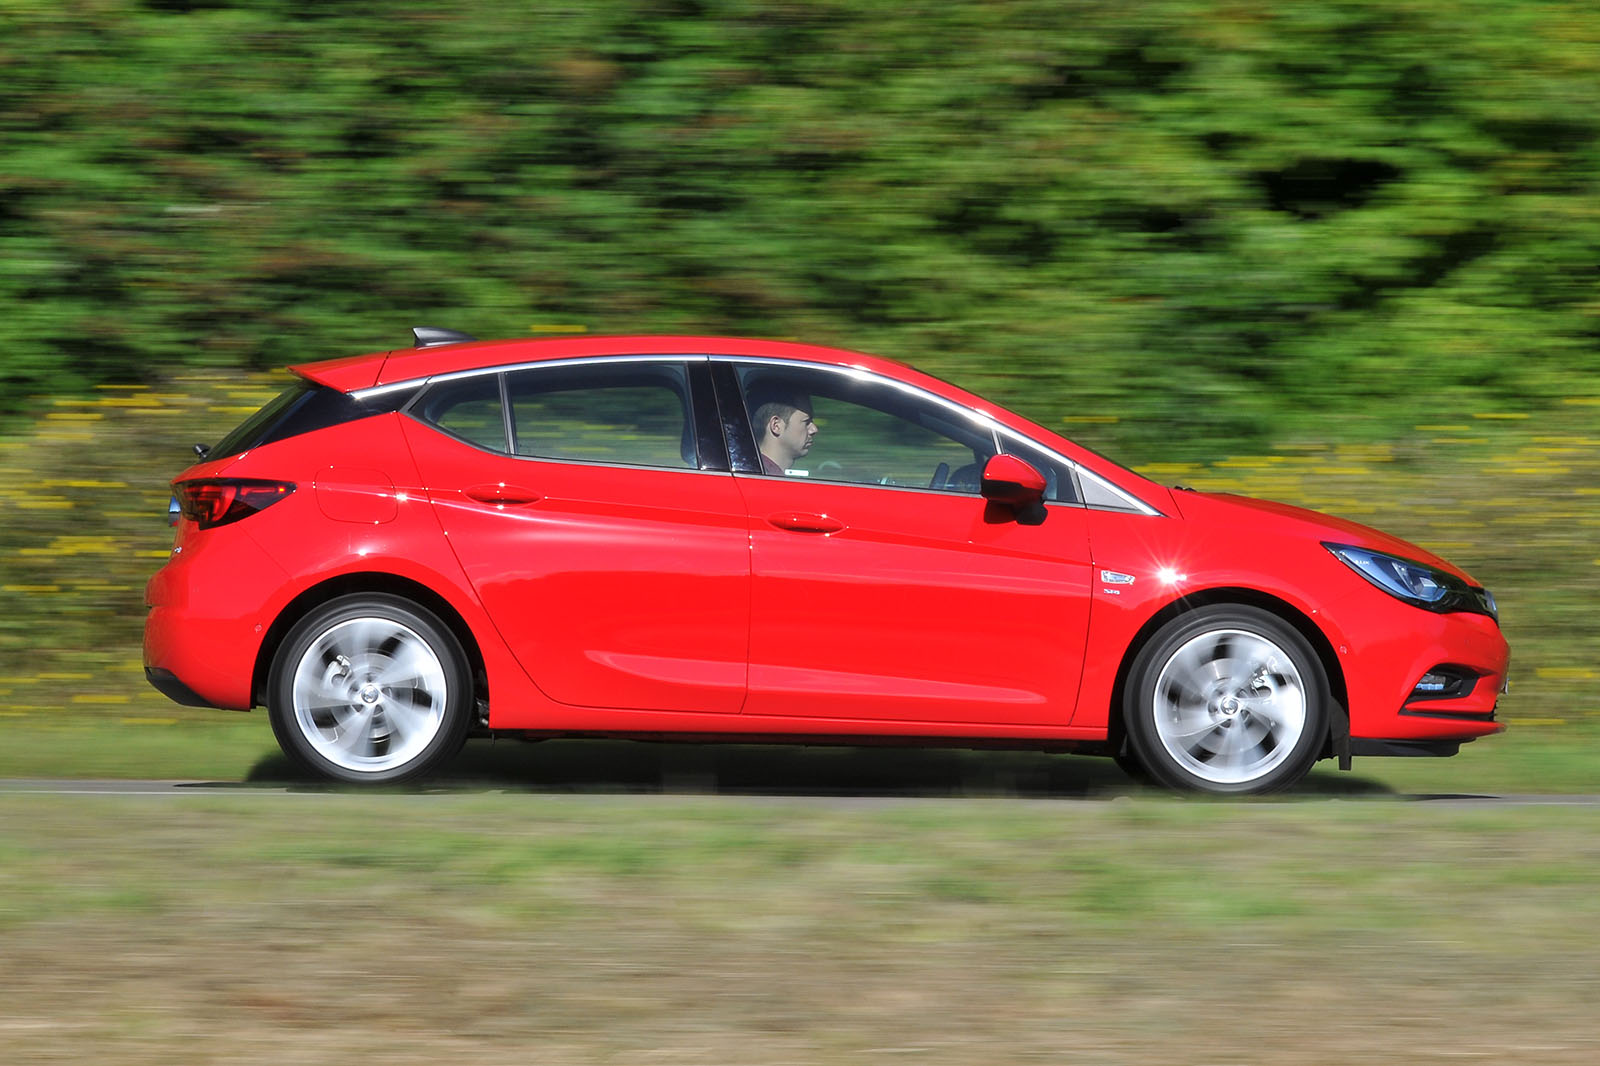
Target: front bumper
x: 1389, y: 653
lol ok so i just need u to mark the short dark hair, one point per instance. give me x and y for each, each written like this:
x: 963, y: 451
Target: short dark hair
x: 781, y: 404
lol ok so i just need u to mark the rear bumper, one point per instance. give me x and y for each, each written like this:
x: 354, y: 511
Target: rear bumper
x: 200, y: 661
x: 1436, y: 749
x: 167, y: 683
x: 208, y: 612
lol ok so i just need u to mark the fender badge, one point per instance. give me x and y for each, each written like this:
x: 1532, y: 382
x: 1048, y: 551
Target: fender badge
x: 1112, y: 577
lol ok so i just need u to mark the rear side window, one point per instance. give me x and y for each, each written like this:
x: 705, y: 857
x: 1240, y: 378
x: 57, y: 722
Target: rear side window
x: 636, y: 414
x: 633, y: 414
x: 301, y: 408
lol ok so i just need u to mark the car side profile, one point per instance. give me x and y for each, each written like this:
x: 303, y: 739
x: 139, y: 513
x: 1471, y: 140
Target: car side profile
x: 723, y: 539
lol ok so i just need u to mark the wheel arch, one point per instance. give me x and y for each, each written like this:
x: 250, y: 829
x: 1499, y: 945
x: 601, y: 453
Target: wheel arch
x: 367, y: 582
x: 1338, y: 740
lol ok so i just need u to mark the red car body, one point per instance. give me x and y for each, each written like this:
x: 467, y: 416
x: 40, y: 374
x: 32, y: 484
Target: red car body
x: 596, y: 597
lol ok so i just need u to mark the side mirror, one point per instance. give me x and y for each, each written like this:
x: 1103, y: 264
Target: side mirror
x: 1009, y: 480
x: 1014, y: 484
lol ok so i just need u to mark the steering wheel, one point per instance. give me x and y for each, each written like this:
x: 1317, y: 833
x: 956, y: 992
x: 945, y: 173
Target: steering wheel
x: 941, y: 477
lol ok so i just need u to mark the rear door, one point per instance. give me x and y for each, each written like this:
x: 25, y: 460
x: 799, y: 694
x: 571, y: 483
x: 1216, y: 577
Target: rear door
x: 599, y: 526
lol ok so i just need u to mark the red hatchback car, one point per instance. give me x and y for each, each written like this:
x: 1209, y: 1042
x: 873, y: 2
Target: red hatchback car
x: 708, y: 538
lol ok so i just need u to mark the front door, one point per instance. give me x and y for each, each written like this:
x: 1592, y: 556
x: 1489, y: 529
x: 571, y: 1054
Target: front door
x: 884, y: 587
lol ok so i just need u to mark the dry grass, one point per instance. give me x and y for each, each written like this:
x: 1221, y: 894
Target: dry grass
x: 488, y: 929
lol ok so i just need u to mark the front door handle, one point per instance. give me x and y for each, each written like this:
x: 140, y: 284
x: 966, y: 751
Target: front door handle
x: 805, y: 522
x: 500, y: 493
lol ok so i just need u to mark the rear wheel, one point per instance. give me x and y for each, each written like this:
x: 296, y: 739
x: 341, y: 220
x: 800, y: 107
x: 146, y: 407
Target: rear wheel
x: 1227, y: 699
x: 370, y: 688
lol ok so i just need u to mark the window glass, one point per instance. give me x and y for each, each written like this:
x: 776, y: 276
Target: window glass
x: 257, y: 425
x: 469, y: 409
x: 861, y: 430
x: 633, y: 413
x: 303, y: 408
x: 1097, y: 493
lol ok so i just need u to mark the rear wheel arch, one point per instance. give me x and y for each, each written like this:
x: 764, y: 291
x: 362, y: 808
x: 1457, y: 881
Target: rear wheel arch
x: 368, y: 582
x: 1339, y: 724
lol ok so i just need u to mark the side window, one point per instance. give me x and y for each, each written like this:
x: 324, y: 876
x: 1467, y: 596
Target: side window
x: 469, y: 409
x: 631, y: 413
x: 840, y: 426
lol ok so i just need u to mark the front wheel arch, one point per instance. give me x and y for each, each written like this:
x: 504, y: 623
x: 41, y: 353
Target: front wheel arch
x: 1338, y: 740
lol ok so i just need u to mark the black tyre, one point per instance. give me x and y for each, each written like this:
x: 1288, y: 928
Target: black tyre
x: 1228, y: 700
x: 370, y: 688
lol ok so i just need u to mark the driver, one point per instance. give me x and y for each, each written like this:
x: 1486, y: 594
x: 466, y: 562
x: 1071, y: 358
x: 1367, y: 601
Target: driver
x: 784, y: 431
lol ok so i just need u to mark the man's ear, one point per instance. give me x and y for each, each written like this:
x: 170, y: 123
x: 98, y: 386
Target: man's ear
x: 775, y: 426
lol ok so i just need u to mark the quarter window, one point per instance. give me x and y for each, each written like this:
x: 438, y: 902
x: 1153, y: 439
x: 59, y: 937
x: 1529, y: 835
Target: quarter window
x: 469, y: 409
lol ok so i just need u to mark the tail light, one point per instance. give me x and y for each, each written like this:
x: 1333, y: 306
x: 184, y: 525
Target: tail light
x: 213, y: 502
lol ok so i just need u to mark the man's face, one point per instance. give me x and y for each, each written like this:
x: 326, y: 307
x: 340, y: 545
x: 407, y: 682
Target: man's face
x: 797, y: 433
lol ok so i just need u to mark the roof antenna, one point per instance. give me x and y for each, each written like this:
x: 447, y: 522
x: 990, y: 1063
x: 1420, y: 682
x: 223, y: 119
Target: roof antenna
x: 428, y: 336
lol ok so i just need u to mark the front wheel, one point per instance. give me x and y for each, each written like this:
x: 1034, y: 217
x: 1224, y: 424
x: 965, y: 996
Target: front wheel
x: 1228, y: 700
x: 370, y: 688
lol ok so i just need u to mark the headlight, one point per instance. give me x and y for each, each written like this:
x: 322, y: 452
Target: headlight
x: 1416, y: 583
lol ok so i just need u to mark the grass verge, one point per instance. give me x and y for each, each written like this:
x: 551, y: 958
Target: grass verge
x: 230, y: 747
x: 413, y: 929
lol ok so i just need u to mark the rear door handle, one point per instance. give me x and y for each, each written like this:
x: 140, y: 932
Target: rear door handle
x: 805, y: 522
x: 500, y: 493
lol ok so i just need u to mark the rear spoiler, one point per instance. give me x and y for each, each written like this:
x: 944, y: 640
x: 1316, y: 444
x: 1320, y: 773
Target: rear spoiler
x: 357, y: 372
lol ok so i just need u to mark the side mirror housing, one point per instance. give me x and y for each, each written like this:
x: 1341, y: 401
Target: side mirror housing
x: 1009, y: 480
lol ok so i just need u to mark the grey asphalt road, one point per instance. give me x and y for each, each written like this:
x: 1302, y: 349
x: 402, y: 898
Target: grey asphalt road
x: 93, y: 787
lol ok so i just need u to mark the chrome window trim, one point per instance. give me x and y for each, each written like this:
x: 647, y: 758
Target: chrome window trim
x: 511, y: 368
x: 983, y: 421
x: 1132, y: 504
x: 861, y: 373
x: 1080, y: 475
x: 1135, y: 504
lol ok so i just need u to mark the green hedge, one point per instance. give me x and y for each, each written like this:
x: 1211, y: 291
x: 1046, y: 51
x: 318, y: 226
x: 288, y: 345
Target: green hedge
x: 1219, y: 223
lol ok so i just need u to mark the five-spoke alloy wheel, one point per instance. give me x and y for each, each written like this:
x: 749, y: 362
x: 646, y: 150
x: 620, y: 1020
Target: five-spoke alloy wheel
x: 1227, y: 699
x: 370, y: 688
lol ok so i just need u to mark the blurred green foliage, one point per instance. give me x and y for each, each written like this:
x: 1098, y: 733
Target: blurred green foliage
x: 1239, y: 218
x: 84, y: 494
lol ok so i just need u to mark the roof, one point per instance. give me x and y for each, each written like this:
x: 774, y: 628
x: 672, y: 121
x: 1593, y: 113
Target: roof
x: 353, y: 373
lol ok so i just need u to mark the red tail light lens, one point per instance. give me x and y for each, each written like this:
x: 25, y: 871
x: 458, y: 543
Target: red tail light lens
x: 218, y: 501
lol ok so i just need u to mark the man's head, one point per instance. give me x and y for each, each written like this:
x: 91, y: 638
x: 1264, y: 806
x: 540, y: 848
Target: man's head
x: 784, y: 428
